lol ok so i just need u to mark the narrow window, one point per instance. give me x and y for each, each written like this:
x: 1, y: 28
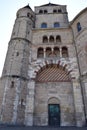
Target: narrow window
x: 45, y: 39
x: 28, y: 15
x: 64, y: 52
x: 58, y: 38
x: 17, y: 54
x: 40, y: 53
x: 12, y: 84
x: 78, y: 26
x: 56, y: 25
x: 51, y: 39
x: 43, y: 25
x: 22, y: 102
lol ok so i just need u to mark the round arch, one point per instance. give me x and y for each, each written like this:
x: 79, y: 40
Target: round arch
x: 53, y: 73
x: 53, y: 100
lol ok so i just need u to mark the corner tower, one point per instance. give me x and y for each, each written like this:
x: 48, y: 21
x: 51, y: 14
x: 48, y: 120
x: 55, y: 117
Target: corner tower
x: 14, y: 76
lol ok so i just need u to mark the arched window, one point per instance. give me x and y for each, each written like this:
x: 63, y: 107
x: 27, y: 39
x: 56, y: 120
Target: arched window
x: 45, y: 11
x: 48, y: 52
x: 12, y: 84
x: 28, y: 14
x: 54, y: 11
x: 57, y: 51
x: 59, y: 10
x: 44, y: 25
x: 40, y: 11
x: 45, y: 39
x: 40, y: 52
x: 56, y: 25
x: 51, y: 39
x: 58, y: 38
x: 78, y: 26
x: 64, y: 52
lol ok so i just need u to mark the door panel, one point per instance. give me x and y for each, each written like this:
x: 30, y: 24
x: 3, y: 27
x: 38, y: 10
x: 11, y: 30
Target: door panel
x: 54, y: 114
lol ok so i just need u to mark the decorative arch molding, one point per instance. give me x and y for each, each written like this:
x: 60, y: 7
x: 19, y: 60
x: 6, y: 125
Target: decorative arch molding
x: 74, y: 74
x: 53, y: 100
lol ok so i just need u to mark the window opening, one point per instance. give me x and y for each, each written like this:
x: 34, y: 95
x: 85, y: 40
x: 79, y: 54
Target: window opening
x: 43, y: 25
x: 45, y: 39
x: 56, y: 25
x: 51, y: 39
x: 48, y: 52
x: 64, y: 52
x: 58, y: 38
x: 78, y: 26
x: 40, y: 53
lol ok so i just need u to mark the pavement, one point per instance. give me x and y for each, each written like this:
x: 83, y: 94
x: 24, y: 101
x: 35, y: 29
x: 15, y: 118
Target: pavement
x: 10, y: 127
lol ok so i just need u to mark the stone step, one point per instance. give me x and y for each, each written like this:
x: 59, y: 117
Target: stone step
x: 40, y: 128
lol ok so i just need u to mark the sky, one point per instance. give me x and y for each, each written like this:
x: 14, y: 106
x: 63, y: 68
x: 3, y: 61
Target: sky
x: 8, y: 9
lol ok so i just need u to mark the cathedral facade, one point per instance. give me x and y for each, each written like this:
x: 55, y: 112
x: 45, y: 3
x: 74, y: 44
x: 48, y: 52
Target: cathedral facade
x: 44, y: 79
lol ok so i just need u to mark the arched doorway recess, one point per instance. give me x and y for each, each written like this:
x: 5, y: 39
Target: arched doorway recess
x: 53, y: 80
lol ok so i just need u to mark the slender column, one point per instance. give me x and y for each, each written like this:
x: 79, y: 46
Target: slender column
x: 80, y: 117
x: 52, y: 49
x: 30, y: 104
x: 44, y: 52
x: 60, y: 52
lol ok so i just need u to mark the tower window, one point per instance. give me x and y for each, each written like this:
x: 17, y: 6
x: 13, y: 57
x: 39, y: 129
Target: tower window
x: 59, y: 10
x: 17, y: 54
x: 40, y: 53
x: 28, y: 15
x: 45, y: 11
x: 12, y: 84
x: 45, y: 39
x: 78, y: 26
x: 44, y: 25
x: 40, y: 11
x: 54, y: 11
x: 56, y: 25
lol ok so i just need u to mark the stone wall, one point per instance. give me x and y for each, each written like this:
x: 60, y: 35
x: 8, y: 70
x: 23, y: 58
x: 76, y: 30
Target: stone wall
x: 63, y: 91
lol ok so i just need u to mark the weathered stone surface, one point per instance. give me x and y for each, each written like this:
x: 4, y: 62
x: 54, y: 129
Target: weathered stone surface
x: 23, y: 100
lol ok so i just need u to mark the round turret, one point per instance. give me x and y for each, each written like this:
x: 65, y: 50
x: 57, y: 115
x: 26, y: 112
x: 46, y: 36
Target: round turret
x: 24, y: 23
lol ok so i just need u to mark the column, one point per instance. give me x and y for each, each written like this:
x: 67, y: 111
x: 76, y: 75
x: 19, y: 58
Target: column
x: 60, y: 52
x: 30, y: 104
x: 44, y: 52
x: 52, y: 49
x: 78, y: 102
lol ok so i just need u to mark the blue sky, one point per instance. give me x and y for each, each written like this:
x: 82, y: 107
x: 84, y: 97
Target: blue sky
x: 8, y: 9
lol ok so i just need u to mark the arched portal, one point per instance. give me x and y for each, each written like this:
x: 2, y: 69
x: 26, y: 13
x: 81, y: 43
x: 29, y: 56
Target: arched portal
x: 53, y: 80
x: 54, y: 112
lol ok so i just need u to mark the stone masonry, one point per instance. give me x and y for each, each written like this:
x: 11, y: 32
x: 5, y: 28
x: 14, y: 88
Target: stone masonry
x: 45, y: 65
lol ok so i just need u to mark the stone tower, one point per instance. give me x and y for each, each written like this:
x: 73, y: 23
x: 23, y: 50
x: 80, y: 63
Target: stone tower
x: 15, y: 72
x: 41, y: 80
